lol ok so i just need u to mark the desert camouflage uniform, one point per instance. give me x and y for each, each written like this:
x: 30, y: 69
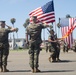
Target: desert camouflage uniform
x: 4, y: 46
x: 34, y: 30
x: 54, y: 48
x: 74, y: 46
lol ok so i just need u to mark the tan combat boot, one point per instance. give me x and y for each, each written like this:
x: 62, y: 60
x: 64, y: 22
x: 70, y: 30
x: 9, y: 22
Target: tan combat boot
x: 32, y: 70
x: 36, y: 70
x: 5, y: 69
x: 53, y: 59
x: 49, y: 59
x: 58, y: 60
x: 1, y: 69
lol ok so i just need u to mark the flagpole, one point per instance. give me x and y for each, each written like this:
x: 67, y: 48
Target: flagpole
x: 44, y: 35
x: 55, y: 18
x: 59, y: 28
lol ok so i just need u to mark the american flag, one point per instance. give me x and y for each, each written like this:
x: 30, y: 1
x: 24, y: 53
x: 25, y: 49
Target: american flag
x: 44, y: 13
x: 64, y: 29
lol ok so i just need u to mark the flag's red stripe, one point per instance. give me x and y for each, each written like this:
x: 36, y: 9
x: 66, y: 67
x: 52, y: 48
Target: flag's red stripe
x: 36, y: 10
x: 47, y: 17
x: 44, y: 15
x: 37, y: 13
x: 50, y: 21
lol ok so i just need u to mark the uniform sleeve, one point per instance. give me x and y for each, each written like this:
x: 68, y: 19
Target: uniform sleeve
x: 8, y: 30
x: 27, y: 30
x: 55, y: 36
x: 49, y: 37
x: 43, y: 25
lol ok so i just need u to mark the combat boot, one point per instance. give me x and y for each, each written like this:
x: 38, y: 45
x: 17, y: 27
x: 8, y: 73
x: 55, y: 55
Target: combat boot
x: 49, y: 59
x: 5, y: 69
x: 1, y: 69
x: 32, y: 70
x: 58, y: 60
x: 36, y: 70
x: 53, y: 59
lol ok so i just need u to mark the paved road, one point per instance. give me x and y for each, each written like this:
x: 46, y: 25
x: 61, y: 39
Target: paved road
x: 18, y: 64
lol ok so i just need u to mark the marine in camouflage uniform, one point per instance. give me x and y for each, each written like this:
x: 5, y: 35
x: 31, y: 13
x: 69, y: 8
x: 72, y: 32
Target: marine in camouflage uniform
x: 74, y: 46
x: 46, y: 47
x: 54, y: 47
x: 34, y: 31
x: 4, y: 45
x: 65, y: 48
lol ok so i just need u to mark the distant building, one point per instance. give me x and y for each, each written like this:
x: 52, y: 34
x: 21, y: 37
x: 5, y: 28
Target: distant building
x: 18, y: 43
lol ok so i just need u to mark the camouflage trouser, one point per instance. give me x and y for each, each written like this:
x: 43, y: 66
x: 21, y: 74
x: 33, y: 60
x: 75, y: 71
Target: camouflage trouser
x: 34, y: 50
x: 46, y: 48
x: 65, y: 49
x: 57, y: 53
x: 53, y: 55
x: 3, y: 57
x: 52, y: 50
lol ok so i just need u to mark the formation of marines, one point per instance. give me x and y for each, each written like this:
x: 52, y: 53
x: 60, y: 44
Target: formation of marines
x: 34, y: 32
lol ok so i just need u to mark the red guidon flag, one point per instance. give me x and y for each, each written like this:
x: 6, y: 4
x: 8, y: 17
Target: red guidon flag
x: 67, y: 27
